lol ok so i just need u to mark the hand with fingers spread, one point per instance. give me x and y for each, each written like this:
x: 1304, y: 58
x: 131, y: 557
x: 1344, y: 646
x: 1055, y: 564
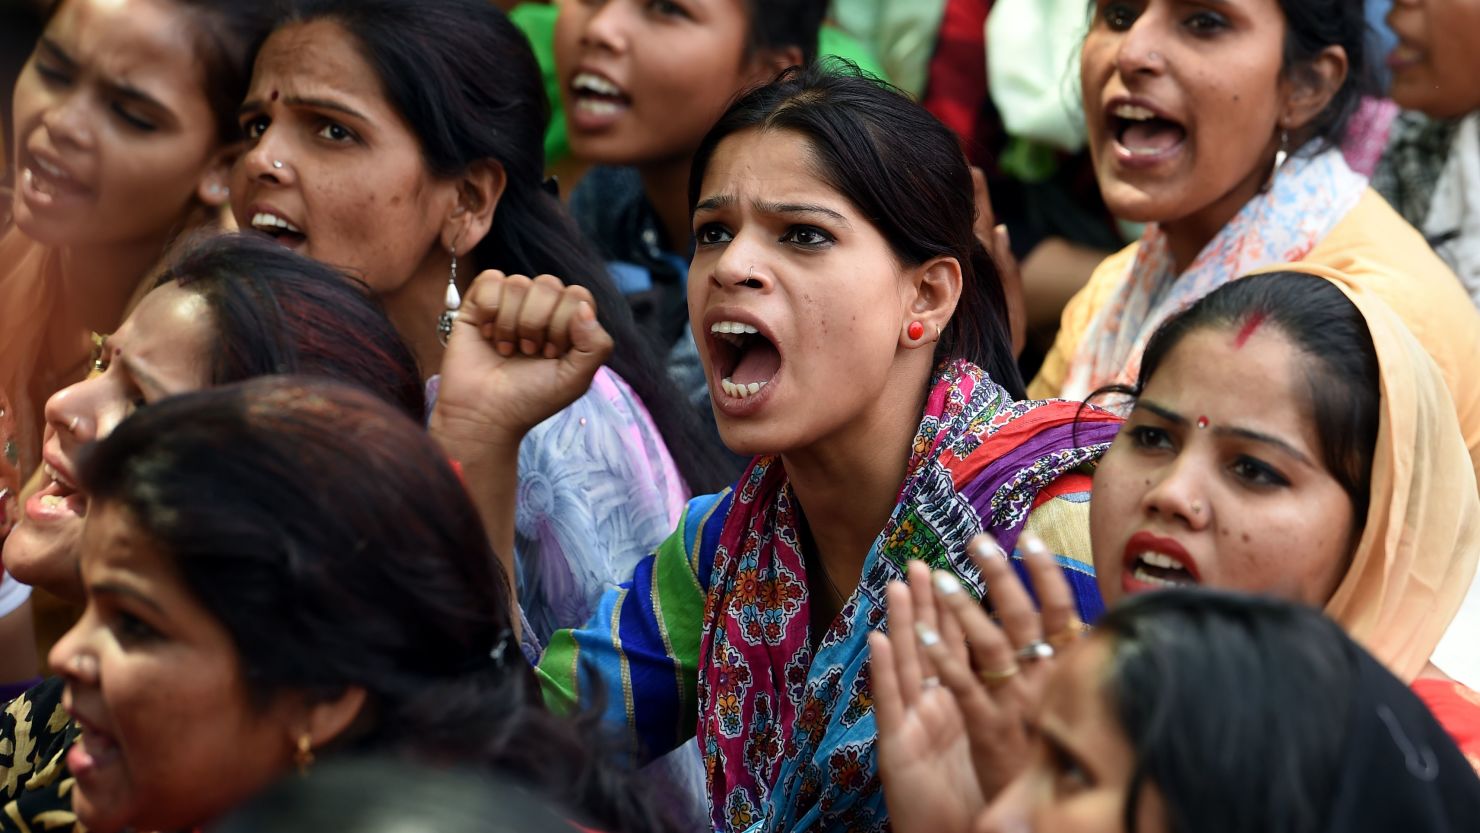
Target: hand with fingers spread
x: 994, y: 238
x: 923, y: 754
x: 521, y: 349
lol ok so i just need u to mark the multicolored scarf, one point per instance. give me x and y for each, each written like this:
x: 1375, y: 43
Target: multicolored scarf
x: 788, y: 734
x: 1306, y: 199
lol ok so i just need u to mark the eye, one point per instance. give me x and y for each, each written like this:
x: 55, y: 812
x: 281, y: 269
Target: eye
x: 1119, y: 17
x: 1149, y: 437
x: 51, y: 75
x: 254, y: 127
x: 1069, y: 775
x: 1206, y: 23
x: 667, y: 8
x: 131, y: 119
x: 1257, y: 473
x: 335, y: 132
x: 808, y: 237
x: 712, y: 234
x: 131, y: 629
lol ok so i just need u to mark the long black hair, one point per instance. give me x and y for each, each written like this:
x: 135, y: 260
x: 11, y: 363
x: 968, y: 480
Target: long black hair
x: 334, y: 542
x: 275, y: 311
x: 1253, y: 714
x: 901, y: 168
x: 466, y: 81
x: 1342, y: 377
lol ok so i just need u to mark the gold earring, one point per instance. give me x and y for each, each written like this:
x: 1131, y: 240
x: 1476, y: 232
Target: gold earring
x: 304, y: 756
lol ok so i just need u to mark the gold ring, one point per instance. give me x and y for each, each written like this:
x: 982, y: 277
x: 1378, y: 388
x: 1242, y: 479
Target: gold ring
x: 997, y: 679
x: 1066, y: 637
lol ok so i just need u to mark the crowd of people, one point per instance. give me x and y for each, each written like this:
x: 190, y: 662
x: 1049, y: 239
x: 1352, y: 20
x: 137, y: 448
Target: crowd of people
x: 740, y: 415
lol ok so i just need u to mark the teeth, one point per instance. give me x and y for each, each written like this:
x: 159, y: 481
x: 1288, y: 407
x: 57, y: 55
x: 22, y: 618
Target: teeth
x: 739, y: 391
x: 268, y: 222
x: 1166, y: 562
x: 53, y: 501
x: 590, y: 82
x: 598, y: 107
x: 1133, y: 113
x: 39, y: 184
x: 1146, y: 578
x: 733, y: 327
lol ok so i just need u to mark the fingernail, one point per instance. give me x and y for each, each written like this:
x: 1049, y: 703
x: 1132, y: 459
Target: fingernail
x: 550, y: 351
x: 505, y: 349
x: 526, y: 347
x: 986, y: 547
x: 945, y: 583
x: 928, y: 637
x: 1033, y: 545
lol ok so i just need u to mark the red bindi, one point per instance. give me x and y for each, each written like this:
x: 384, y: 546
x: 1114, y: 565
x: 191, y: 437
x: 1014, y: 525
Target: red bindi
x: 1202, y: 422
x: 1246, y: 331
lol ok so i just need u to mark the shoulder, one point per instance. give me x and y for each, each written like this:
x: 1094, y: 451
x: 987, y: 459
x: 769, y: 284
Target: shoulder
x: 1078, y: 314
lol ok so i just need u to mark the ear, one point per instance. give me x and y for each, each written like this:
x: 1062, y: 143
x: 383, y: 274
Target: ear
x: 213, y: 188
x: 934, y: 291
x: 1310, y: 88
x: 766, y: 64
x: 478, y: 192
x: 326, y: 720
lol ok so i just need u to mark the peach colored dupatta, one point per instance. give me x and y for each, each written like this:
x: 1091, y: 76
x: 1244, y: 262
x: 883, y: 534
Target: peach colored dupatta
x: 1410, y: 578
x: 29, y: 293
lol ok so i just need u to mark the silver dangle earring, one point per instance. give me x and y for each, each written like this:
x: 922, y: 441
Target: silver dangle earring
x: 1284, y: 152
x: 451, y: 301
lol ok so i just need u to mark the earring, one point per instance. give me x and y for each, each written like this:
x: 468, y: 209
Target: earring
x: 303, y: 756
x: 1279, y: 157
x: 451, y: 301
x: 915, y: 331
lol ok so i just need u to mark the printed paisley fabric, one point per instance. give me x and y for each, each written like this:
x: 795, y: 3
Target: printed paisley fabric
x: 35, y: 786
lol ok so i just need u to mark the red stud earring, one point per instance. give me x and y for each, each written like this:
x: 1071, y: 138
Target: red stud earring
x: 916, y: 330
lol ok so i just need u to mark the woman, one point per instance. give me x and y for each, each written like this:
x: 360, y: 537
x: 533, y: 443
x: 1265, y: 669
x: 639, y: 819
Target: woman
x: 123, y: 124
x: 1192, y: 710
x: 225, y: 309
x: 852, y: 331
x: 401, y: 141
x: 1189, y: 110
x: 1320, y: 464
x: 282, y: 571
x: 1429, y: 171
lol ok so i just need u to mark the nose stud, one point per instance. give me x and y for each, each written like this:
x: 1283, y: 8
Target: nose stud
x: 278, y: 164
x: 72, y: 426
x: 1197, y: 507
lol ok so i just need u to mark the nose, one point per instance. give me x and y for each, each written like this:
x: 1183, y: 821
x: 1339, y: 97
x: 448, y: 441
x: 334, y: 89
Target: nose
x: 605, y: 28
x: 86, y: 411
x: 267, y: 161
x: 1141, y: 48
x: 742, y: 267
x: 67, y: 122
x: 1177, y: 491
x: 71, y: 658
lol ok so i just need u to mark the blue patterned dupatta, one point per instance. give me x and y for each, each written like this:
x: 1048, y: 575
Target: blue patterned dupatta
x: 788, y: 736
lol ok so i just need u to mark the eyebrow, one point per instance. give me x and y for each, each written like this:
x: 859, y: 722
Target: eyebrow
x: 782, y: 208
x: 254, y: 105
x: 142, y: 374
x: 113, y: 589
x: 120, y: 88
x: 1228, y: 431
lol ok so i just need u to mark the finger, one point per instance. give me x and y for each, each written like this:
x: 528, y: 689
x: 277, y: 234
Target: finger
x: 972, y: 696
x: 590, y: 343
x: 986, y: 218
x: 922, y: 603
x: 884, y: 680
x: 947, y: 584
x: 904, y: 640
x: 564, y: 317
x: 534, y: 321
x: 506, y: 325
x: 1012, y: 289
x: 1055, y: 599
x: 1010, y: 600
x: 990, y: 649
x: 481, y: 302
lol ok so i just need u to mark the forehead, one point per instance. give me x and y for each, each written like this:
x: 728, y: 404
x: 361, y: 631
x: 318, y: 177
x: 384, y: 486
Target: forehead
x: 145, y: 43
x: 316, y: 58
x: 1075, y: 700
x: 172, y: 328
x: 113, y: 543
x: 774, y: 166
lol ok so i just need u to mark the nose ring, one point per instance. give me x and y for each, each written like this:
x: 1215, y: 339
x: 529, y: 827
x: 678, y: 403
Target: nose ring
x: 1197, y: 507
x: 277, y: 163
x: 72, y: 426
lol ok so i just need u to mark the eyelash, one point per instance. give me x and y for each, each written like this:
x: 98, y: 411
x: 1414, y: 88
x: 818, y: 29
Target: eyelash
x: 1070, y: 776
x: 254, y: 127
x: 58, y: 77
x: 131, y: 629
x: 703, y: 236
x: 1120, y: 17
x: 667, y: 8
x: 1251, y: 470
x: 100, y: 364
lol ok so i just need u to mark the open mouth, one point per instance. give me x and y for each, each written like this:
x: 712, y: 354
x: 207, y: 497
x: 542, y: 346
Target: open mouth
x: 744, y: 360
x: 93, y: 750
x: 1143, y: 133
x: 47, y: 180
x: 1160, y: 570
x: 596, y: 96
x: 278, y: 228
x: 58, y: 499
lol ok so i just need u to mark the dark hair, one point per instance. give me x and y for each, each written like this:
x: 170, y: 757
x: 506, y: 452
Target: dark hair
x: 902, y: 169
x: 1255, y: 714
x: 466, y: 81
x: 1310, y: 27
x: 274, y: 311
x: 226, y: 35
x: 336, y: 545
x: 1342, y: 372
x: 779, y: 24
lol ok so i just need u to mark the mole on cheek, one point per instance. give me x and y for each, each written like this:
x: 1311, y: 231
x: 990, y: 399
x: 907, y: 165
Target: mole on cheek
x: 1245, y: 537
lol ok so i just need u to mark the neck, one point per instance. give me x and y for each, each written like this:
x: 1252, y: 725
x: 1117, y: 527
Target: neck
x: 416, y: 306
x: 666, y: 184
x: 1188, y: 236
x: 847, y: 485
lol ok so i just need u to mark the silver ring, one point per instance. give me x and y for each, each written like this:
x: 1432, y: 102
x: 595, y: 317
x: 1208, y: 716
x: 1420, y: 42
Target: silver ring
x: 929, y: 683
x: 1035, y: 651
x: 277, y: 163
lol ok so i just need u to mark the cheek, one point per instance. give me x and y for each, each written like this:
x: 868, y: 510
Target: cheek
x: 1294, y: 551
x: 379, y: 233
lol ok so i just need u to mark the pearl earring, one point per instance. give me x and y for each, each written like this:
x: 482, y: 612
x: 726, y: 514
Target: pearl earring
x: 450, y: 302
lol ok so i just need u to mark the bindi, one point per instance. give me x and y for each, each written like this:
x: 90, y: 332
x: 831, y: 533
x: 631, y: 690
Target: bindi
x: 1247, y: 331
x: 274, y: 96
